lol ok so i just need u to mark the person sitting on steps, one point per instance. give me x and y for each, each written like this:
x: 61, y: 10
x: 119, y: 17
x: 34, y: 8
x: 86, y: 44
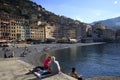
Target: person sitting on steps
x: 73, y: 73
x: 54, y: 66
x: 45, y: 66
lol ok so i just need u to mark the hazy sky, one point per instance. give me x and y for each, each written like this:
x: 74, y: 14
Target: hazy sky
x: 84, y: 10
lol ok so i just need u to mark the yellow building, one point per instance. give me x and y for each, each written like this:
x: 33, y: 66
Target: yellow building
x: 41, y: 30
x: 49, y: 30
x: 13, y: 27
x: 35, y: 30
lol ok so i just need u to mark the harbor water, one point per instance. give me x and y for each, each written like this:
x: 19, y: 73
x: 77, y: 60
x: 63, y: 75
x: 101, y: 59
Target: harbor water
x: 92, y: 60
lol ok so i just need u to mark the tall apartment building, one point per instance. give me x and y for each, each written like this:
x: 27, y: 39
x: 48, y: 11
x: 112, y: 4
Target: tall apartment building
x: 4, y: 26
x: 109, y: 34
x: 19, y: 29
x: 70, y: 30
x: 13, y: 27
x: 36, y: 30
x: 41, y: 30
x: 49, y: 30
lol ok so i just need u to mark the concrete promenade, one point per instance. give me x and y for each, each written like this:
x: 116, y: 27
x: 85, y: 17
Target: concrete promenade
x: 15, y: 69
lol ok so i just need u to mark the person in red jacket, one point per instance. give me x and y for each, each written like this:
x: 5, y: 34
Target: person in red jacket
x: 46, y: 64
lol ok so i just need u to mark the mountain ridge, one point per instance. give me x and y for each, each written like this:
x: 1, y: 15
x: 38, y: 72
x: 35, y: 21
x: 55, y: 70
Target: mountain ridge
x: 113, y: 23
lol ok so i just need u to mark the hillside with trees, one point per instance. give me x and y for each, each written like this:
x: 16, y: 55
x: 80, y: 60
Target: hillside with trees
x: 26, y: 9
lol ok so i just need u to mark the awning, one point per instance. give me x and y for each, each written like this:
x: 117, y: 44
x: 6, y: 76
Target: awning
x: 50, y: 38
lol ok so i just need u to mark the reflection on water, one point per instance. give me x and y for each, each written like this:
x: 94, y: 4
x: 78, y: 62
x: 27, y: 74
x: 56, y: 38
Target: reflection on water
x: 73, y: 53
x: 90, y: 61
